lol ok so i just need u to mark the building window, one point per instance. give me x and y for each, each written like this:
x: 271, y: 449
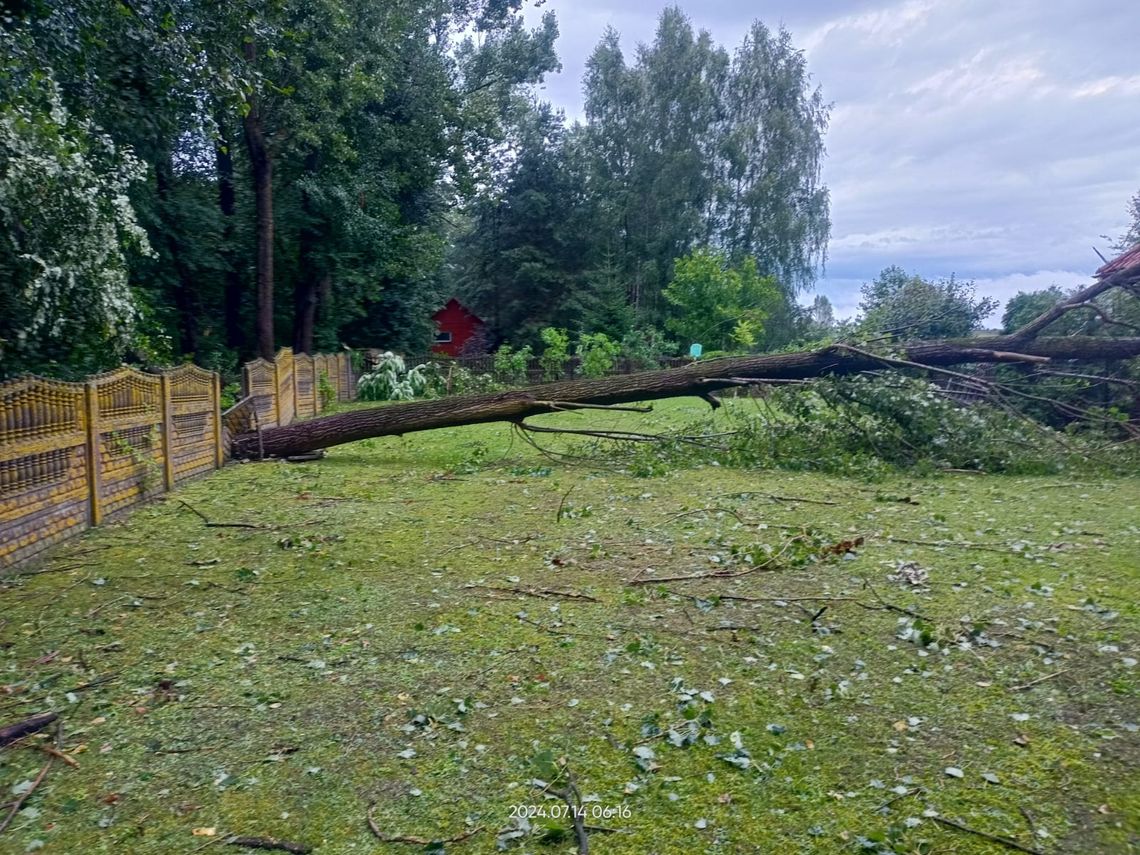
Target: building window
x: 442, y: 337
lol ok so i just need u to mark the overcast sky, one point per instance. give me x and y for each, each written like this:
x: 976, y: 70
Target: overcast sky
x: 995, y: 139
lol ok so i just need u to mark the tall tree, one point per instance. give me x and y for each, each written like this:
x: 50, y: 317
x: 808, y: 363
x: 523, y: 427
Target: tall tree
x: 771, y: 202
x: 910, y: 307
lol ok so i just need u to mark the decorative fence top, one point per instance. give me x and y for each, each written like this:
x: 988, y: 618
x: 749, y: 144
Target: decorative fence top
x: 71, y: 453
x: 36, y: 409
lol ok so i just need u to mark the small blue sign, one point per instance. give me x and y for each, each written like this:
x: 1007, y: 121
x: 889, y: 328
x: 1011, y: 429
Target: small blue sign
x: 695, y: 351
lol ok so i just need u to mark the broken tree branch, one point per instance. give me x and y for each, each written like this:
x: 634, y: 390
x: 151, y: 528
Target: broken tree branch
x: 1127, y: 279
x: 696, y: 379
x: 210, y: 524
x: 21, y: 729
x: 414, y: 840
x: 985, y: 835
x: 19, y: 803
x: 270, y: 843
x: 541, y: 593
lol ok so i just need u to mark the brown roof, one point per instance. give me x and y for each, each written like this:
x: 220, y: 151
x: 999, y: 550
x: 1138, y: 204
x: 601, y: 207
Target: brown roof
x: 1124, y: 261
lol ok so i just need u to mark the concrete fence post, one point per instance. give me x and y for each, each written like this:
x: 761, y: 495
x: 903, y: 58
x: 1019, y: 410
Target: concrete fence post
x: 219, y: 452
x: 167, y: 432
x: 94, y: 452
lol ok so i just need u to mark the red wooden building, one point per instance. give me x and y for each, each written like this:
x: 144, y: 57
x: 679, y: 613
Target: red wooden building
x: 455, y: 325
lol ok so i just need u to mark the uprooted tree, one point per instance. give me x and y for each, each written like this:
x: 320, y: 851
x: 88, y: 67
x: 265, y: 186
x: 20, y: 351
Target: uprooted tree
x: 701, y: 379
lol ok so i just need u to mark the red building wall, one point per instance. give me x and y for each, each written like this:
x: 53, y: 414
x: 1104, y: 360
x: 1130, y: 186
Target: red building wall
x: 455, y: 325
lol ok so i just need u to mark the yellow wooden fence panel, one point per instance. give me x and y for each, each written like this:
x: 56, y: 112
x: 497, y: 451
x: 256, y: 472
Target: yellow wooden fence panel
x: 306, y: 385
x: 286, y: 396
x: 130, y: 437
x: 72, y: 454
x: 43, y: 466
x: 259, y: 381
x: 195, y: 420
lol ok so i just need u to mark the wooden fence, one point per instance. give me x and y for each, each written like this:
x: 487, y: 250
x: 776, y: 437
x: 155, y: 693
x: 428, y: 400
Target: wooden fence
x: 75, y: 454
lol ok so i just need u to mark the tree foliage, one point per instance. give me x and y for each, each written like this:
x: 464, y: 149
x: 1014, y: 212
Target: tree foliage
x: 716, y: 304
x: 685, y: 148
x: 69, y: 231
x: 910, y: 307
x: 311, y: 148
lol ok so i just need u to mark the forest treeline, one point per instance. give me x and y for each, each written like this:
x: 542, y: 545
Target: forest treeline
x: 211, y: 180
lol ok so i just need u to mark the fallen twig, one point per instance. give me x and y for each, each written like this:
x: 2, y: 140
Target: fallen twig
x: 562, y: 503
x: 210, y: 524
x: 269, y: 843
x: 561, y: 632
x: 957, y: 544
x: 542, y: 593
x: 1032, y: 683
x: 629, y: 436
x: 884, y: 605
x: 720, y: 574
x: 993, y: 838
x: 19, y: 803
x: 913, y: 791
x: 1029, y: 819
x: 776, y: 498
x: 573, y: 799
x: 412, y: 839
x: 712, y: 510
x: 55, y: 752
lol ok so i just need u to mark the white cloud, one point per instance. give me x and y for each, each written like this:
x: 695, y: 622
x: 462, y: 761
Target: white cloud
x: 1114, y: 85
x: 884, y: 27
x: 1004, y: 287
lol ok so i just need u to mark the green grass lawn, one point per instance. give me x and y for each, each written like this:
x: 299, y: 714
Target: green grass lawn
x: 413, y: 621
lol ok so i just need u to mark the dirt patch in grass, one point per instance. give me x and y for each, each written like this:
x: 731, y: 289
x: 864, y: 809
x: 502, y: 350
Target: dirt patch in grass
x: 414, y: 621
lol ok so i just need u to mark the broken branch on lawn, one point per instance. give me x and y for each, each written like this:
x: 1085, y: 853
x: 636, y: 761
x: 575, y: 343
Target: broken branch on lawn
x: 541, y: 593
x: 626, y: 435
x: 210, y: 524
x: 413, y: 839
x: 573, y: 799
x: 23, y: 797
x: 19, y: 730
x: 993, y: 838
x: 270, y: 843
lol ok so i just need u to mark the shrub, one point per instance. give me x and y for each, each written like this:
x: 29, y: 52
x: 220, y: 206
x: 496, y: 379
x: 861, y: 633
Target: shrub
x: 511, y: 365
x: 326, y: 391
x: 597, y: 353
x: 391, y: 381
x: 556, y: 353
x: 645, y: 347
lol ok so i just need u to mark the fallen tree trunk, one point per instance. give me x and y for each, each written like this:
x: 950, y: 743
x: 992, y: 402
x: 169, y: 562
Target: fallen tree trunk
x: 699, y: 379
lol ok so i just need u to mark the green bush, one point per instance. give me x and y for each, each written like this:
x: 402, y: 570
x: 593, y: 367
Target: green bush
x: 645, y: 347
x: 597, y: 354
x: 556, y: 353
x: 390, y: 380
x: 326, y: 391
x: 511, y: 365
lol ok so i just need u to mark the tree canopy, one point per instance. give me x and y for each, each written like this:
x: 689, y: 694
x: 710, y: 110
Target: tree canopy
x: 908, y: 306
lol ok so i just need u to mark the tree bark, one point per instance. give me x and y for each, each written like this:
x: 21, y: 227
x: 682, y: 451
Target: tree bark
x: 261, y: 167
x: 20, y: 729
x: 227, y: 205
x: 698, y: 379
